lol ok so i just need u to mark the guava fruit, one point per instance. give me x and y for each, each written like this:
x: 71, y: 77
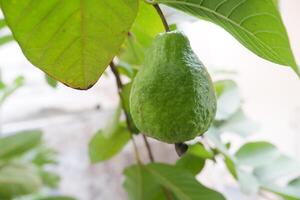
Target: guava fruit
x: 172, y: 97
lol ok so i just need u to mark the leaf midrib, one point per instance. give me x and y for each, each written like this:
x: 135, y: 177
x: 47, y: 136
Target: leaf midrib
x: 83, y: 40
x: 174, y: 186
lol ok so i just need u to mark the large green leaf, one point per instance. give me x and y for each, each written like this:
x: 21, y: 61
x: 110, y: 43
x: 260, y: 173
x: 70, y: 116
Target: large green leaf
x: 139, y: 184
x: 18, y: 179
x: 255, y: 23
x: 71, y: 40
x: 181, y: 182
x: 19, y: 143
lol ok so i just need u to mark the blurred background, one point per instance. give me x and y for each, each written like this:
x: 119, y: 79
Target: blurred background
x: 69, y: 118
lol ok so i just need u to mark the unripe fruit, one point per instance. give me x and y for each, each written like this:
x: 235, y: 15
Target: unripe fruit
x: 172, y: 97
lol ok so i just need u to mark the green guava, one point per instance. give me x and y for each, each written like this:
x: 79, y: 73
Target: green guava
x: 172, y: 97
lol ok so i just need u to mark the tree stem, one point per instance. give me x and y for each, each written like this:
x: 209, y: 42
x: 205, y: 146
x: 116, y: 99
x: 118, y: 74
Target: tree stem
x: 163, y: 19
x: 129, y: 126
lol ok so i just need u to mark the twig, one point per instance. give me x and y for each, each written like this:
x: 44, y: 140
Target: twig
x: 130, y: 128
x: 150, y: 154
x: 163, y: 19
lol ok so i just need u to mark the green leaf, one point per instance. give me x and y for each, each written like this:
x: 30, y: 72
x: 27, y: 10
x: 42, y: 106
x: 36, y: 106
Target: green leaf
x: 52, y: 82
x: 72, y: 41
x: 278, y: 168
x: 255, y: 23
x: 6, y: 39
x: 181, y: 182
x: 18, y: 144
x: 146, y: 26
x: 102, y: 146
x: 199, y: 150
x: 11, y: 89
x: 231, y: 166
x: 139, y: 184
x: 18, y: 179
x: 192, y: 163
x: 126, y: 69
x: 2, y: 24
x: 49, y: 178
x: 256, y: 154
x: 42, y: 156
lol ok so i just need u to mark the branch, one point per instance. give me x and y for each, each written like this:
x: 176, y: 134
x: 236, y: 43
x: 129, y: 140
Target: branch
x: 163, y: 19
x: 130, y: 128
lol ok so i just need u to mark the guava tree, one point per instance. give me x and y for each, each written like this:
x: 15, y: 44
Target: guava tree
x: 169, y: 95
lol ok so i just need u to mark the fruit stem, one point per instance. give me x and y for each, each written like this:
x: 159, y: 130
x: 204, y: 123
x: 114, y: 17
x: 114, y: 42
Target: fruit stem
x: 150, y: 154
x: 129, y: 126
x: 163, y: 18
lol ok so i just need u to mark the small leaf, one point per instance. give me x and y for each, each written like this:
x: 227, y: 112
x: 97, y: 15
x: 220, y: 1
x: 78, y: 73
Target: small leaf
x: 190, y: 162
x: 18, y: 179
x: 6, y: 39
x: 18, y: 144
x: 102, y: 146
x: 72, y: 41
x: 181, y: 182
x: 255, y: 23
x: 256, y: 154
x: 231, y: 166
x: 42, y: 156
x: 199, y: 150
x: 52, y: 82
x: 49, y: 178
x: 8, y: 90
x: 126, y: 69
x: 2, y: 24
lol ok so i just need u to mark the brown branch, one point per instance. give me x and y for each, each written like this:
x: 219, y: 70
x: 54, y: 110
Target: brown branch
x: 129, y: 126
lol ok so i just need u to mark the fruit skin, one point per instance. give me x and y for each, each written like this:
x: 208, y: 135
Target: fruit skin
x: 172, y: 97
